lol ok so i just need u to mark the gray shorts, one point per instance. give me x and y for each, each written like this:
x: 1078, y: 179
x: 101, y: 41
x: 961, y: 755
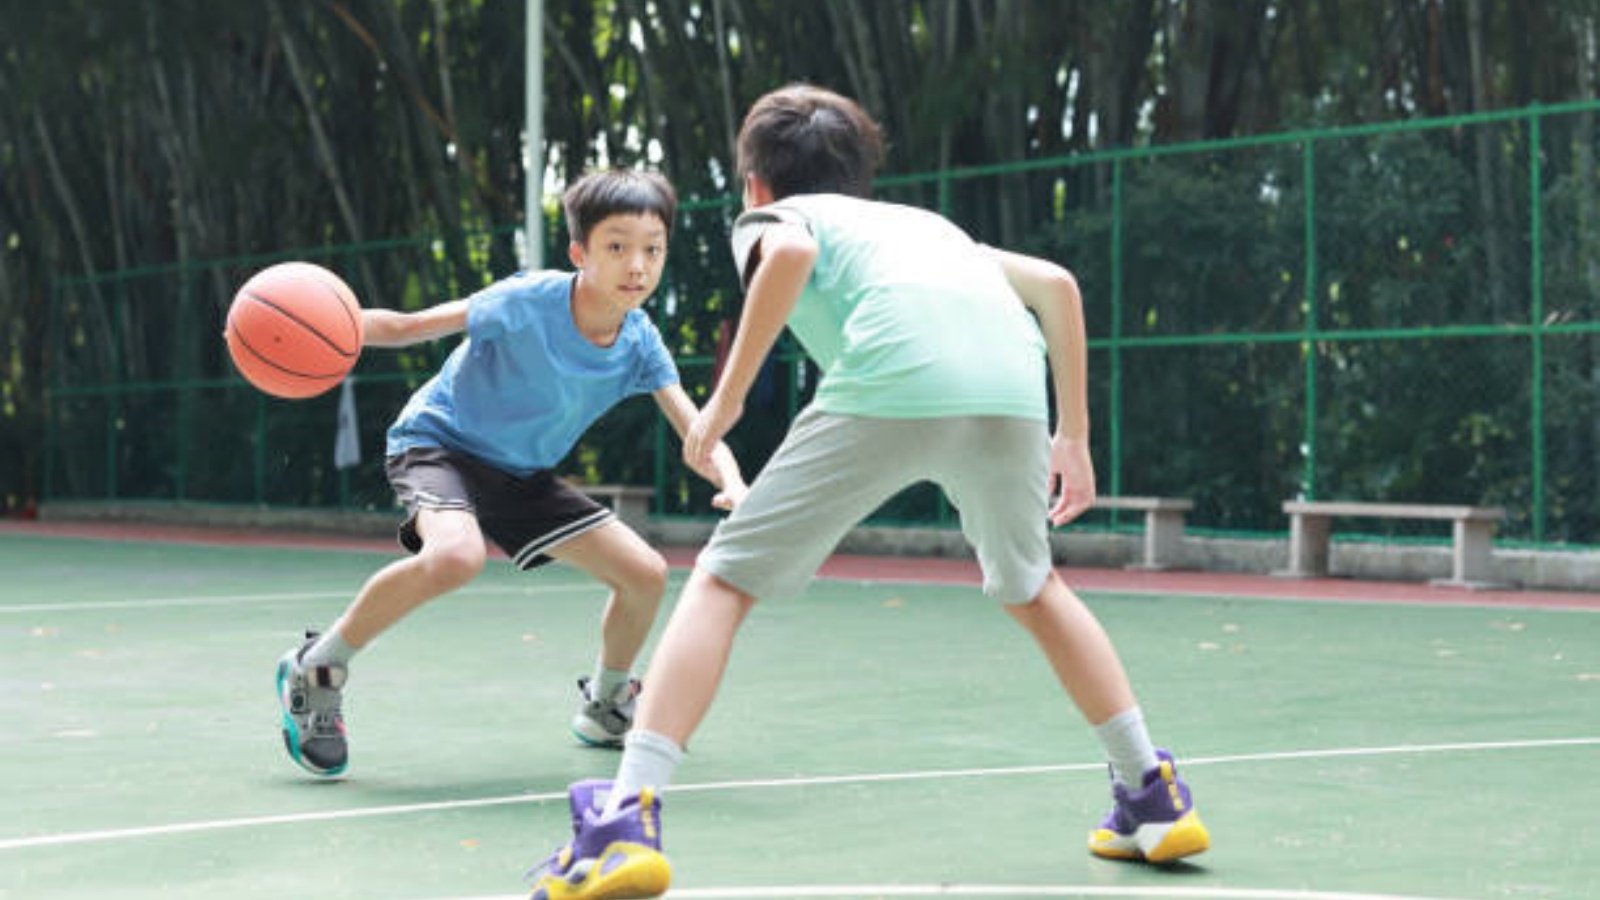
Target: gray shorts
x: 832, y: 471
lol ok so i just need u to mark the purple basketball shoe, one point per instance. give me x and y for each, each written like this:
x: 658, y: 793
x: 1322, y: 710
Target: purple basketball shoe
x: 1157, y: 823
x: 616, y: 858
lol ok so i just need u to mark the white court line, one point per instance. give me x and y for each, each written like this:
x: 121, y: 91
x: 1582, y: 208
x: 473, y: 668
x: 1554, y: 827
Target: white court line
x: 1000, y: 890
x: 228, y: 599
x: 1016, y: 890
x: 117, y: 834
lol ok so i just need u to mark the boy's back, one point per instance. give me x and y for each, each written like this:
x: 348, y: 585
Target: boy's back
x: 905, y: 314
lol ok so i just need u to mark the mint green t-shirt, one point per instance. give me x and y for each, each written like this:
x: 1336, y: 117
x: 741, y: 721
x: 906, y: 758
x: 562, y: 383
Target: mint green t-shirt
x: 907, y: 317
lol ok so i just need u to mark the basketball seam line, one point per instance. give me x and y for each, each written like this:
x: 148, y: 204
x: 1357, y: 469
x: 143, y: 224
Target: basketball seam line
x: 267, y: 301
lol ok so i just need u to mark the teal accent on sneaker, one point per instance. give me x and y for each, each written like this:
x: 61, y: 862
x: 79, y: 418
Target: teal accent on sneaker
x: 310, y: 701
x: 604, y: 721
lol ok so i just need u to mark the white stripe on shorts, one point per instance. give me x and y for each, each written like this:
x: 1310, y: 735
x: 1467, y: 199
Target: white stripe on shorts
x: 561, y: 535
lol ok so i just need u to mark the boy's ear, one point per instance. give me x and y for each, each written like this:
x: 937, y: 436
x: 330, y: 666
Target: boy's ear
x: 575, y: 254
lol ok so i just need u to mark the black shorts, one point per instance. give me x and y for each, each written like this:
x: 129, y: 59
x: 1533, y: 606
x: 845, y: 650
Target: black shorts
x: 524, y: 516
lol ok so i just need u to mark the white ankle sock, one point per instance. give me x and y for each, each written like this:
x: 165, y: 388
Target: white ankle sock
x: 329, y: 650
x: 648, y: 760
x: 1127, y: 745
x: 605, y: 682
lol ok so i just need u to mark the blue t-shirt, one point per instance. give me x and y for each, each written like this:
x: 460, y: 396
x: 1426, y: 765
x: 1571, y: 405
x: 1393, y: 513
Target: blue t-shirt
x: 525, y: 384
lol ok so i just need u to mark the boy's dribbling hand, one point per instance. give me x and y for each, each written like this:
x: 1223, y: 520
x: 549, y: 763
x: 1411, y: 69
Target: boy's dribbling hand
x: 1071, y: 479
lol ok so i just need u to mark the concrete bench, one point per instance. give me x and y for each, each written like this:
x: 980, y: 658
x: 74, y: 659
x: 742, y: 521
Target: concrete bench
x: 1163, y: 526
x: 630, y: 502
x: 1472, y: 535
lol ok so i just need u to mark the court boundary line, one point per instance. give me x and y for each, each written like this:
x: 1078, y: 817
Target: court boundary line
x: 70, y: 606
x: 889, y: 569
x: 954, y: 889
x: 139, y: 832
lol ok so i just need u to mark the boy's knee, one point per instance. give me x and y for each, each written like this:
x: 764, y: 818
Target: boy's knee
x: 652, y: 574
x: 642, y: 576
x: 455, y: 563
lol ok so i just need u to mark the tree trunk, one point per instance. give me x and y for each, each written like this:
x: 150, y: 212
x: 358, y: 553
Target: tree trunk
x: 1483, y: 146
x: 327, y: 160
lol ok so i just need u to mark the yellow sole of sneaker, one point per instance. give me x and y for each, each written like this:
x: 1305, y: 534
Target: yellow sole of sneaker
x: 1154, y: 844
x: 623, y: 872
x: 1186, y: 837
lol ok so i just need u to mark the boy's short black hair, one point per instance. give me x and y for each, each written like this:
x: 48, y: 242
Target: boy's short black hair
x: 803, y: 139
x: 598, y: 195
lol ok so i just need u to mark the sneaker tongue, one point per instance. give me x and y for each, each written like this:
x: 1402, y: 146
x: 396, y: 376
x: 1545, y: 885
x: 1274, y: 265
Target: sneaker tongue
x: 587, y: 796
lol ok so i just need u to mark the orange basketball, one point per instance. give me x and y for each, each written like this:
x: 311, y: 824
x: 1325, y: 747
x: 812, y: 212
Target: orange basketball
x: 294, y: 330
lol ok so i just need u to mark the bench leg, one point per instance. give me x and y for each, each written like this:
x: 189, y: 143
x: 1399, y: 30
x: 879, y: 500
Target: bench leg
x: 1472, y: 551
x: 633, y: 511
x: 1308, y: 546
x: 1163, y: 534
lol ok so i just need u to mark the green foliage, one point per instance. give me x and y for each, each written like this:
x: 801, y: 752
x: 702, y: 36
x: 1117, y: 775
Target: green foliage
x: 185, y: 144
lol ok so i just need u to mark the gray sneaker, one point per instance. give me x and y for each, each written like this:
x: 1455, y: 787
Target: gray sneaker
x: 313, y: 727
x: 602, y: 721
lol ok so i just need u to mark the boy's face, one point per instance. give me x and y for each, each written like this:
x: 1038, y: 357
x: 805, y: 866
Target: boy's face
x: 623, y: 258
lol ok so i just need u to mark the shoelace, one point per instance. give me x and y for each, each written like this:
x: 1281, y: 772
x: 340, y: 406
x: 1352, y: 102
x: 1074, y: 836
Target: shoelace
x: 539, y: 868
x: 325, y: 723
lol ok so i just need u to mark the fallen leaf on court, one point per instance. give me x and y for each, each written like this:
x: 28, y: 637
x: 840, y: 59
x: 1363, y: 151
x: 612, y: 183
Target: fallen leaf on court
x: 894, y: 603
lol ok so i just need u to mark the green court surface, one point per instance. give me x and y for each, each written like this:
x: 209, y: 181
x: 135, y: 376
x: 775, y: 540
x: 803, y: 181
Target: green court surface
x: 872, y: 740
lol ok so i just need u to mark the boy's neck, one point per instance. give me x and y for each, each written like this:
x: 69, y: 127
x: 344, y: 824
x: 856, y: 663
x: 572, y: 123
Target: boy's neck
x: 596, y: 320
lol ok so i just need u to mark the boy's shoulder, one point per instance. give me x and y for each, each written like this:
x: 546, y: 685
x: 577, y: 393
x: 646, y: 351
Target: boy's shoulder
x: 523, y: 289
x: 841, y: 217
x: 816, y: 213
x: 529, y: 281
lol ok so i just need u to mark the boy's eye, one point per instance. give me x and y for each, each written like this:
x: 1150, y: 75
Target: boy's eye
x: 614, y: 247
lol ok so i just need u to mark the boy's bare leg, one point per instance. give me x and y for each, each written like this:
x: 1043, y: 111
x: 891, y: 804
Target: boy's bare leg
x: 452, y: 554
x: 1079, y: 650
x: 693, y: 653
x: 636, y: 574
x: 311, y: 677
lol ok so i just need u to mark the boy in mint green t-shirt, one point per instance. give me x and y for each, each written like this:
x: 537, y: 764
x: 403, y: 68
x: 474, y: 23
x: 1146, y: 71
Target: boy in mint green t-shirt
x: 933, y: 353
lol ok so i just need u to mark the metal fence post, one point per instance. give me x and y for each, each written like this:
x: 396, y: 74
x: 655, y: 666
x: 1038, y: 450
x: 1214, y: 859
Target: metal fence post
x: 1308, y: 448
x: 1536, y: 314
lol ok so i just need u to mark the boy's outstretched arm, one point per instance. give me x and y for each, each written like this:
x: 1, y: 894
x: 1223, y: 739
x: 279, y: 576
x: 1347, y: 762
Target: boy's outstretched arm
x: 1052, y: 294
x: 787, y: 255
x: 724, y: 468
x: 392, y: 328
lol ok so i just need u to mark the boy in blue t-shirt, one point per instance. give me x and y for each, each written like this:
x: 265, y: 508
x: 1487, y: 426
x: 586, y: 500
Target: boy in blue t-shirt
x: 472, y: 455
x: 933, y: 350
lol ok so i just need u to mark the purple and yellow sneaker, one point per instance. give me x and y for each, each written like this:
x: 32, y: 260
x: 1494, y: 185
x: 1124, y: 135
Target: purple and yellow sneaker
x: 1157, y: 823
x: 616, y: 858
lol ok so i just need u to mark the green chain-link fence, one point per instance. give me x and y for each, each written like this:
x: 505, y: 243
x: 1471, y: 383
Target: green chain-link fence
x: 1404, y: 312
